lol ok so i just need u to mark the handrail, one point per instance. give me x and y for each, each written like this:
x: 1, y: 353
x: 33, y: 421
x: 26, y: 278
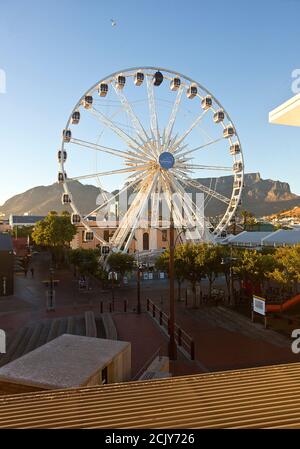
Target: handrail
x: 182, y: 337
x: 144, y: 367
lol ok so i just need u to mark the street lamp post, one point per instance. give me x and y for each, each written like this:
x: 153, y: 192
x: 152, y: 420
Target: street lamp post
x: 138, y: 288
x: 228, y: 261
x: 172, y: 342
x: 112, y: 275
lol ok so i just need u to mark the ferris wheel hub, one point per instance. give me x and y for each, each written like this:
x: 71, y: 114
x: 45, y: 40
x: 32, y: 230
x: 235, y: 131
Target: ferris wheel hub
x: 166, y: 160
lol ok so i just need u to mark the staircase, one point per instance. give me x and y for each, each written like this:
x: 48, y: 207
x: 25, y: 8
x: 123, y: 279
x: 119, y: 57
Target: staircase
x: 31, y: 337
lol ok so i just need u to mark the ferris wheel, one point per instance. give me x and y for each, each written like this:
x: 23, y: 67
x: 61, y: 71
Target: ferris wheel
x: 157, y: 133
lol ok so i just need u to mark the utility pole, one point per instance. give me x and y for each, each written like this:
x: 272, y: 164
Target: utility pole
x: 138, y: 273
x: 172, y: 342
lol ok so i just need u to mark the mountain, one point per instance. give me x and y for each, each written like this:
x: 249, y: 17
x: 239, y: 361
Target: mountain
x: 260, y: 196
x: 291, y: 213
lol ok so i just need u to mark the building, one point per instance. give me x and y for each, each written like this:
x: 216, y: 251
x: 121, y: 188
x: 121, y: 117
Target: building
x: 4, y: 226
x: 288, y: 113
x: 282, y: 237
x: 6, y: 265
x: 146, y: 239
x: 255, y: 240
x: 247, y: 239
x: 265, y: 397
x: 24, y: 220
x: 68, y: 361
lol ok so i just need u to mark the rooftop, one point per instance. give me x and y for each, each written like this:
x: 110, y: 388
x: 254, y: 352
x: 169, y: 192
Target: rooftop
x: 283, y: 237
x: 248, y: 238
x: 67, y: 361
x: 287, y: 113
x: 267, y: 397
x: 25, y: 219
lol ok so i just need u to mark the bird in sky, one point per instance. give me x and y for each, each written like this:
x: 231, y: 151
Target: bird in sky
x: 113, y: 22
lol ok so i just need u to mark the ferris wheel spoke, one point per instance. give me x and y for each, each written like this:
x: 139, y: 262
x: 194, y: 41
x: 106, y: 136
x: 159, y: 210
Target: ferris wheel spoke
x: 126, y: 222
x: 128, y: 155
x: 130, y: 141
x: 186, y: 201
x: 203, y: 167
x: 198, y: 148
x: 169, y: 198
x: 139, y: 129
x: 171, y: 122
x: 106, y: 173
x: 195, y: 216
x: 126, y: 187
x: 131, y: 218
x: 196, y: 184
x: 153, y: 115
x: 188, y: 131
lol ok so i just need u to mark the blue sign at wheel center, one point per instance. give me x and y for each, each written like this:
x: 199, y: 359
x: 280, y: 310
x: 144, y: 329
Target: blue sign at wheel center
x: 166, y: 160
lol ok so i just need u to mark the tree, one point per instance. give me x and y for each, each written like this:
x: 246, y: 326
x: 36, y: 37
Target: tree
x: 287, y: 269
x: 86, y: 260
x: 248, y: 218
x: 212, y: 255
x: 54, y: 232
x: 254, y: 266
x: 121, y: 263
x: 192, y: 264
x: 22, y: 231
x: 162, y: 263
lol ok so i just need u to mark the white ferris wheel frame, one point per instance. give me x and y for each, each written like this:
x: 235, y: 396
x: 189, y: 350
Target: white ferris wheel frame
x: 138, y: 154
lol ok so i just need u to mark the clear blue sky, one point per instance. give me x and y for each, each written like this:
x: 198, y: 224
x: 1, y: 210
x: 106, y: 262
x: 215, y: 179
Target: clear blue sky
x: 52, y: 51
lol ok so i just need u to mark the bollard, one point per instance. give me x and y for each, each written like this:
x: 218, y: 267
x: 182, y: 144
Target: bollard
x: 160, y: 318
x: 192, y: 350
x: 153, y: 310
x: 148, y: 305
x: 179, y: 337
x: 101, y: 306
x: 125, y: 305
x: 110, y: 307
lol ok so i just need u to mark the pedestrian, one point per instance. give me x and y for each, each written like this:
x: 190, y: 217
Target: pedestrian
x: 32, y: 271
x: 25, y: 272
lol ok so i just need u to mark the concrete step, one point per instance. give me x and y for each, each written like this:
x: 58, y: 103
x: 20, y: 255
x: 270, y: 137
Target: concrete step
x: 15, y: 342
x: 62, y: 328
x: 53, y: 329
x: 34, y: 340
x: 45, y: 332
x: 255, y: 328
x: 71, y: 325
x: 90, y: 324
x: 23, y: 344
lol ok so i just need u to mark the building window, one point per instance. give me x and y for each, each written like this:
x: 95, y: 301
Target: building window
x: 164, y: 235
x: 106, y: 235
x: 145, y: 241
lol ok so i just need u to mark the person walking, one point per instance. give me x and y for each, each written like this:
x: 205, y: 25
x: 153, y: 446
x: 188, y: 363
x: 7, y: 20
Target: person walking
x: 32, y: 271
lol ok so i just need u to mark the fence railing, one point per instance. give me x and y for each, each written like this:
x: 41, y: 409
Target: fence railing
x: 147, y: 363
x: 183, y: 339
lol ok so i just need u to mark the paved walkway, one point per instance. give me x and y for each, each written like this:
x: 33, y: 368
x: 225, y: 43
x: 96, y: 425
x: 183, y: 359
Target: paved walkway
x: 222, y: 341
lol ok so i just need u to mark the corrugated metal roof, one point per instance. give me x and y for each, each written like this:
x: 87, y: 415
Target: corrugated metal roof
x: 282, y: 236
x: 266, y: 397
x: 249, y: 237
